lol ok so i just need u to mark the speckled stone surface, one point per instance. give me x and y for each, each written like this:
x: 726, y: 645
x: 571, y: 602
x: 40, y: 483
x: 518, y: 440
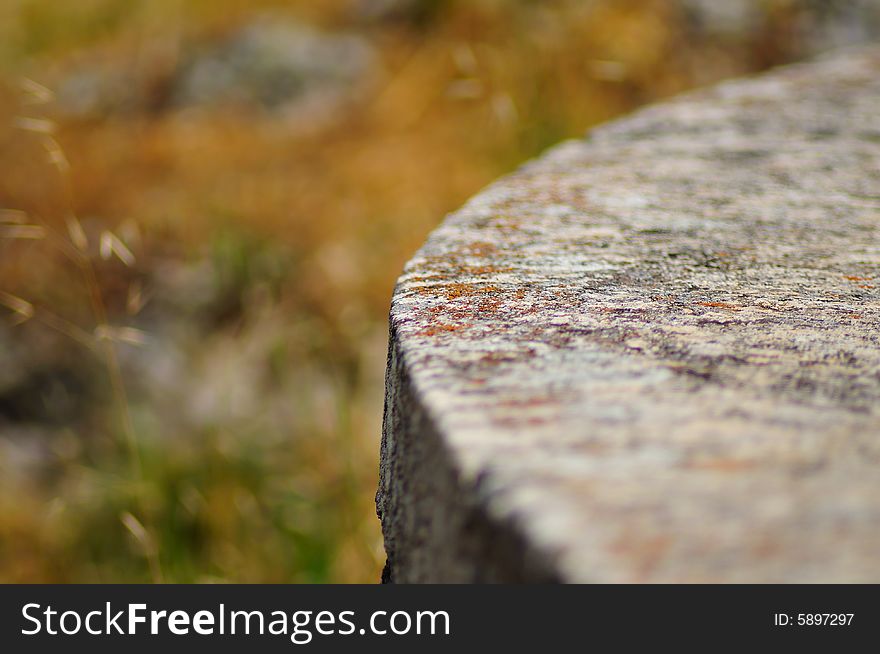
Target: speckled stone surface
x: 653, y: 355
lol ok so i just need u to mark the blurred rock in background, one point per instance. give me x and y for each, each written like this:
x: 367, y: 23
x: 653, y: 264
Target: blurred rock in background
x: 272, y: 63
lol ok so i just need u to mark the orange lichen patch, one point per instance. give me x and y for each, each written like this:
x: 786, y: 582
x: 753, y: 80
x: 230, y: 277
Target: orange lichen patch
x: 434, y: 330
x: 424, y: 278
x: 481, y: 248
x: 468, y: 290
x: 766, y: 548
x: 530, y: 402
x: 495, y: 358
x: 856, y: 278
x: 490, y: 306
x: 866, y: 286
x: 722, y: 465
x: 646, y: 552
x: 854, y: 316
x: 485, y: 270
x: 719, y: 305
x: 434, y: 260
x: 457, y: 290
x: 433, y: 290
x: 520, y: 423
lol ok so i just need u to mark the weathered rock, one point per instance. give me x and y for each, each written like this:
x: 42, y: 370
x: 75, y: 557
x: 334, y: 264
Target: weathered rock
x: 654, y: 354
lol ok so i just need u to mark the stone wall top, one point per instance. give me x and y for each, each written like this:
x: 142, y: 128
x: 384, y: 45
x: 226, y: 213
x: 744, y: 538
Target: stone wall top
x: 653, y: 354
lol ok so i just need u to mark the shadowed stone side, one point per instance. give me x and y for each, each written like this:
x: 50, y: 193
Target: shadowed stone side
x: 434, y: 531
x: 653, y: 354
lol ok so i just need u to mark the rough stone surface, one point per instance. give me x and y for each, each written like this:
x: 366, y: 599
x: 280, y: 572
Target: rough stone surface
x: 653, y: 354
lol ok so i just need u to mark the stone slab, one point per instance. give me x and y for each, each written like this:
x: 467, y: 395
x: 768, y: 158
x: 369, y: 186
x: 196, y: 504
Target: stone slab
x: 653, y: 355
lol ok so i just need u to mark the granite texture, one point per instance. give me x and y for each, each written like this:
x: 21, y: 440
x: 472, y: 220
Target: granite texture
x: 653, y: 355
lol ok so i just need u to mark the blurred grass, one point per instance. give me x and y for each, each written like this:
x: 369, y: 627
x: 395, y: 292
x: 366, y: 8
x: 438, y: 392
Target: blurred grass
x: 267, y: 246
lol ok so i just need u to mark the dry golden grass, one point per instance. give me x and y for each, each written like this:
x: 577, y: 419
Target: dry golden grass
x: 258, y: 411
